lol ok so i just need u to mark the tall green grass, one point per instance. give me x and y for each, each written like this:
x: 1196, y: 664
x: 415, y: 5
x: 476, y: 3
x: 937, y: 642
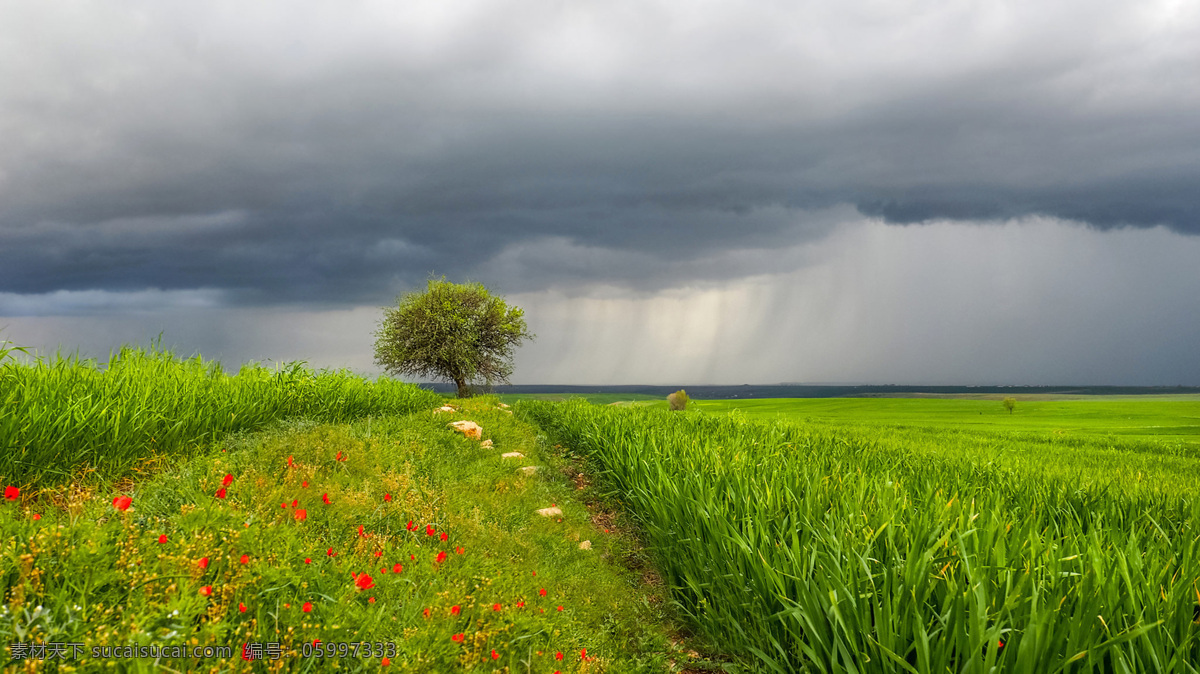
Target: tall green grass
x: 804, y: 549
x: 64, y: 417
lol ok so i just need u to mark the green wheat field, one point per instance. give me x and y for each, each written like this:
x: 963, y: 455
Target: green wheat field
x: 339, y: 523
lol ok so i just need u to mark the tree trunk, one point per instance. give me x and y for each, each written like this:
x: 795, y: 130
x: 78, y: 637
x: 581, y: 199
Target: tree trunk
x: 463, y: 391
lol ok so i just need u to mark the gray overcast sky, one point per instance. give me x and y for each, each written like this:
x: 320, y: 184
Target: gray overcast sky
x: 678, y: 192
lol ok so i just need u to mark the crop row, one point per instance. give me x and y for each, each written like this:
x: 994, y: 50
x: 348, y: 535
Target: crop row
x: 804, y: 549
x: 64, y: 418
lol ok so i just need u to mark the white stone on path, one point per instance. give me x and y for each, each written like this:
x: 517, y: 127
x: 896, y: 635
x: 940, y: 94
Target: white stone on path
x: 512, y: 455
x: 528, y: 470
x: 552, y: 511
x: 486, y: 444
x: 468, y: 428
x: 586, y: 545
x: 445, y: 408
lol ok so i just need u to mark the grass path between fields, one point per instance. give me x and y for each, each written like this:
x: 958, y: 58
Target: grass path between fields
x: 395, y: 533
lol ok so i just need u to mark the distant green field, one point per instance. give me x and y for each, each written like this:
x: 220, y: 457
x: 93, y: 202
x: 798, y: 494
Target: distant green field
x: 1165, y: 419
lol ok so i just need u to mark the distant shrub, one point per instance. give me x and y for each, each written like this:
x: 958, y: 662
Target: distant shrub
x: 1009, y: 404
x: 678, y: 400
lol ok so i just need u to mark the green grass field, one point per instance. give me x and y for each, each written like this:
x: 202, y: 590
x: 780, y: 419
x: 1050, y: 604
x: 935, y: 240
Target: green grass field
x: 1169, y: 419
x: 319, y: 510
x: 66, y: 419
x: 337, y: 519
x: 888, y: 537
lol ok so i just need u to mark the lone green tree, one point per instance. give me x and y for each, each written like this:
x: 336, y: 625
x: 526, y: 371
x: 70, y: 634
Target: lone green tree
x: 459, y: 332
x: 1009, y: 404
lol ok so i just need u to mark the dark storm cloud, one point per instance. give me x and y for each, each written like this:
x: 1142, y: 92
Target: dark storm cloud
x: 290, y: 153
x: 1031, y: 302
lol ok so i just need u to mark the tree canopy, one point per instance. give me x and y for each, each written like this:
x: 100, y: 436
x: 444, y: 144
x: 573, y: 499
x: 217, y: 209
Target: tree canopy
x: 458, y: 332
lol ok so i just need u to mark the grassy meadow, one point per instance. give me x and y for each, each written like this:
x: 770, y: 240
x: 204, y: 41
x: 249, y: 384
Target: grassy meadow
x: 159, y: 501
x: 344, y: 529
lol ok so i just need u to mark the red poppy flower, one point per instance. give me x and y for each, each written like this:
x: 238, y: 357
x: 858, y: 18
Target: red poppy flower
x: 583, y: 654
x: 325, y: 498
x: 245, y: 559
x: 444, y: 536
x: 459, y: 550
x: 455, y: 610
x: 295, y: 502
x: 304, y: 484
x: 283, y: 505
x: 203, y: 563
x: 441, y: 557
x: 307, y: 608
x: 221, y: 492
x: 37, y: 516
x: 387, y: 497
x: 412, y: 558
x: 456, y: 638
x: 360, y: 532
x: 495, y: 655
x: 289, y: 462
x: 122, y: 502
x: 495, y: 607
x: 558, y: 655
x: 162, y: 538
x: 383, y: 569
x: 542, y: 592
x: 329, y: 552
x: 379, y: 553
x: 560, y: 608
x: 535, y: 573
x: 371, y: 600
x: 425, y: 613
x: 430, y: 530
x: 241, y: 607
x: 206, y: 590
x: 999, y: 644
x: 520, y: 604
x: 12, y: 493
x: 227, y: 481
x: 385, y: 661
x: 339, y: 457
x: 364, y: 582
x: 308, y: 560
x: 397, y: 568
x: 411, y: 527
x: 301, y: 514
